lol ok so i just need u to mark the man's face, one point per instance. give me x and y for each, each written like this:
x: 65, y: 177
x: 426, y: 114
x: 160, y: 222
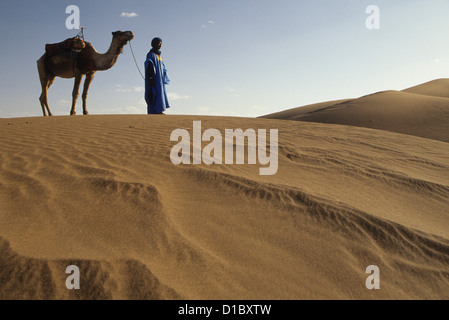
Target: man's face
x: 159, y: 45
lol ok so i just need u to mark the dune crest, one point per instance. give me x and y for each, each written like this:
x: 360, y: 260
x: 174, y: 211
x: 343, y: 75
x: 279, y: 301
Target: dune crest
x: 435, y: 88
x: 422, y: 111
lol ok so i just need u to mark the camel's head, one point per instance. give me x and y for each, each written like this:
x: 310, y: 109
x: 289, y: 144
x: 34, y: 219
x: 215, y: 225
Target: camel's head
x: 122, y: 37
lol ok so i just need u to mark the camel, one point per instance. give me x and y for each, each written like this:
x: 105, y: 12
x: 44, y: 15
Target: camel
x: 86, y: 63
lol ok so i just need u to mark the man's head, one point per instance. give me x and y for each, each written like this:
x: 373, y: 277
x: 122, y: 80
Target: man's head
x: 156, y: 43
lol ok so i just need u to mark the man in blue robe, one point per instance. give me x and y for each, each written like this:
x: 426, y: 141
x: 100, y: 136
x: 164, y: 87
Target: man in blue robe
x: 156, y: 78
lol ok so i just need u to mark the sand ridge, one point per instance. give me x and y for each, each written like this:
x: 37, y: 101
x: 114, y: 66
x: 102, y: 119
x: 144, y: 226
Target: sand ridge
x: 422, y: 111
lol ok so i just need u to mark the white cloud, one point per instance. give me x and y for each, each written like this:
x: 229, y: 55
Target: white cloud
x: 176, y: 96
x: 4, y: 114
x: 233, y: 92
x: 64, y: 103
x: 139, y: 107
x: 121, y: 110
x: 128, y: 14
x: 210, y: 22
x: 121, y: 88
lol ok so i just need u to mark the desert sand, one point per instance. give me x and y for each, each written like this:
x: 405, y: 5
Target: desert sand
x: 421, y: 110
x: 101, y: 193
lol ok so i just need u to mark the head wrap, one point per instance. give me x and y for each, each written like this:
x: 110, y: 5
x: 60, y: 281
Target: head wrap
x: 155, y: 41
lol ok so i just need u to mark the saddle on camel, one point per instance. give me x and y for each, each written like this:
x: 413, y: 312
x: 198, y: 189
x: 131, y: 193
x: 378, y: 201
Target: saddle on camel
x: 74, y: 48
x: 69, y: 46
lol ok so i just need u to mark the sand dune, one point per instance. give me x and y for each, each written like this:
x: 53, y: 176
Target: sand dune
x: 435, y: 88
x: 100, y: 192
x: 422, y: 111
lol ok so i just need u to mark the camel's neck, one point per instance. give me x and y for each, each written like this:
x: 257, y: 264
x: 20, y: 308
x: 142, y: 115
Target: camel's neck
x: 105, y: 61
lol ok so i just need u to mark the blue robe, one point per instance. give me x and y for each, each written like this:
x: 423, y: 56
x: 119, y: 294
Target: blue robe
x: 156, y: 95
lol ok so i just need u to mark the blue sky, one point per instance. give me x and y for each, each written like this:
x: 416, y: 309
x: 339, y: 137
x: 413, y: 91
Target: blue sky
x: 229, y: 57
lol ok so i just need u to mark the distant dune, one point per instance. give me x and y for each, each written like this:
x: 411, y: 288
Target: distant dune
x: 421, y: 111
x: 100, y: 192
x: 435, y: 88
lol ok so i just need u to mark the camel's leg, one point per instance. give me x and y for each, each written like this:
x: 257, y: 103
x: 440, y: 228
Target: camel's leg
x: 87, y: 82
x: 46, y: 79
x: 43, y: 99
x: 75, y: 93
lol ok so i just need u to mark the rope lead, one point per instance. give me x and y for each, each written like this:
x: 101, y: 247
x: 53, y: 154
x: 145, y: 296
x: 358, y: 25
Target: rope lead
x: 132, y: 51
